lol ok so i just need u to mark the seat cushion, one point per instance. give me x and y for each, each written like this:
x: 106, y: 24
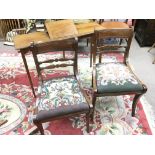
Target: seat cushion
x: 116, y: 77
x: 60, y: 97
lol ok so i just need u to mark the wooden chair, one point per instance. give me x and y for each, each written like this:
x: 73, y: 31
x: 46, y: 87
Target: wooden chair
x: 62, y: 96
x: 114, y: 78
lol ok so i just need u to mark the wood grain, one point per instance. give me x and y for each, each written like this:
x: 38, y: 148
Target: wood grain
x: 114, y: 25
x: 87, y: 28
x: 62, y: 29
x: 25, y: 40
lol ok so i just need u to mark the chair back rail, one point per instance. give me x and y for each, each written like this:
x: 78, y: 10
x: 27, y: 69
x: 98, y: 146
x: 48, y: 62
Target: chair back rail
x: 101, y: 35
x: 59, y: 45
x: 52, y: 46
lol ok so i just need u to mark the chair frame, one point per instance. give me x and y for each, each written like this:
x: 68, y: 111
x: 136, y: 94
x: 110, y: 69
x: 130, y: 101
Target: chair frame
x: 61, y: 45
x: 114, y: 33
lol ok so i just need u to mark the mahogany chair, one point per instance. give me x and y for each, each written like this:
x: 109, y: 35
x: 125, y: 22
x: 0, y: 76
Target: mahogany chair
x: 114, y: 78
x: 62, y: 96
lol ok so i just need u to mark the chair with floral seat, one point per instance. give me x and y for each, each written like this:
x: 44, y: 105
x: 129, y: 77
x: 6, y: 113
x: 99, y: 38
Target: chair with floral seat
x: 61, y: 96
x: 114, y: 78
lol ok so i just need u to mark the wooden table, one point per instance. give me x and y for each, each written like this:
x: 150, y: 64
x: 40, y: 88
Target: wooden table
x: 114, y: 25
x: 56, y: 30
x: 64, y: 29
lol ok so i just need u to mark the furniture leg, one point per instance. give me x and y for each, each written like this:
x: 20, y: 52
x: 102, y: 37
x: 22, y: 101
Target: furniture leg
x: 87, y: 42
x: 93, y: 102
x: 135, y: 100
x: 91, y: 56
x: 91, y: 52
x: 28, y: 73
x: 39, y: 126
x: 64, y: 54
x: 100, y: 57
x: 87, y: 121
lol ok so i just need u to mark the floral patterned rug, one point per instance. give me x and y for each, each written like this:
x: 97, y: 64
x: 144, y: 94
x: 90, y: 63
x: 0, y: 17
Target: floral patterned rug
x: 112, y: 115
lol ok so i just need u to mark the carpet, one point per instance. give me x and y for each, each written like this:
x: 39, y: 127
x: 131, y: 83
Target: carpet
x: 112, y: 114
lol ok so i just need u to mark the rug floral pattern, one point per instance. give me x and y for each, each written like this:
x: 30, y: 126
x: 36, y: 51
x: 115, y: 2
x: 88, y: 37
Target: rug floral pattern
x: 112, y: 115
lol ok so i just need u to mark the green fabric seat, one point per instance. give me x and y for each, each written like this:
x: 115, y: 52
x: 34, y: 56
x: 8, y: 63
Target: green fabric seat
x: 116, y: 77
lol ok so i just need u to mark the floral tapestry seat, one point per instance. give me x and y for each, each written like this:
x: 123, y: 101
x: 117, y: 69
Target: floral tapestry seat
x: 116, y: 77
x: 59, y: 97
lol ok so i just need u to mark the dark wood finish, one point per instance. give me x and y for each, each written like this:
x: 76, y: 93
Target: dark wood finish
x: 145, y: 32
x: 23, y: 42
x: 28, y: 73
x: 114, y: 33
x: 61, y: 45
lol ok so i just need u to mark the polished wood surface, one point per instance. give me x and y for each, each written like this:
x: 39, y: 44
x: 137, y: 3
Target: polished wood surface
x: 113, y: 25
x: 25, y: 40
x: 87, y: 28
x: 61, y: 29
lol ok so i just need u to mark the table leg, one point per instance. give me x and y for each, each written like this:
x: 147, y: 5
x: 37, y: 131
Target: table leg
x: 28, y: 73
x: 91, y: 52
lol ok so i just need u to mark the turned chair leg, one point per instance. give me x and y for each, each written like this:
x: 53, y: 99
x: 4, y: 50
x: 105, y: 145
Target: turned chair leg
x: 39, y: 126
x: 87, y: 121
x: 93, y: 102
x: 135, y: 100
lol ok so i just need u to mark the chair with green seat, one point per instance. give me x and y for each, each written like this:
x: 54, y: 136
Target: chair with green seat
x: 114, y: 78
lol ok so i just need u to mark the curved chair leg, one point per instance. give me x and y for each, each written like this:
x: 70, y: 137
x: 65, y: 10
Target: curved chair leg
x: 93, y: 102
x: 87, y: 121
x: 39, y: 126
x: 135, y: 100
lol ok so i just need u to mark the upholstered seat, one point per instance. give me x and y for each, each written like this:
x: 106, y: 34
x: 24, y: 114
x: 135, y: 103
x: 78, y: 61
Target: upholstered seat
x: 116, y: 77
x: 60, y: 97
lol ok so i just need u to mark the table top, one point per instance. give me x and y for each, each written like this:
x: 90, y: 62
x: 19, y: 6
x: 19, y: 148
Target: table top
x: 87, y: 28
x: 56, y: 30
x: 113, y: 25
x: 61, y: 29
x: 25, y: 40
